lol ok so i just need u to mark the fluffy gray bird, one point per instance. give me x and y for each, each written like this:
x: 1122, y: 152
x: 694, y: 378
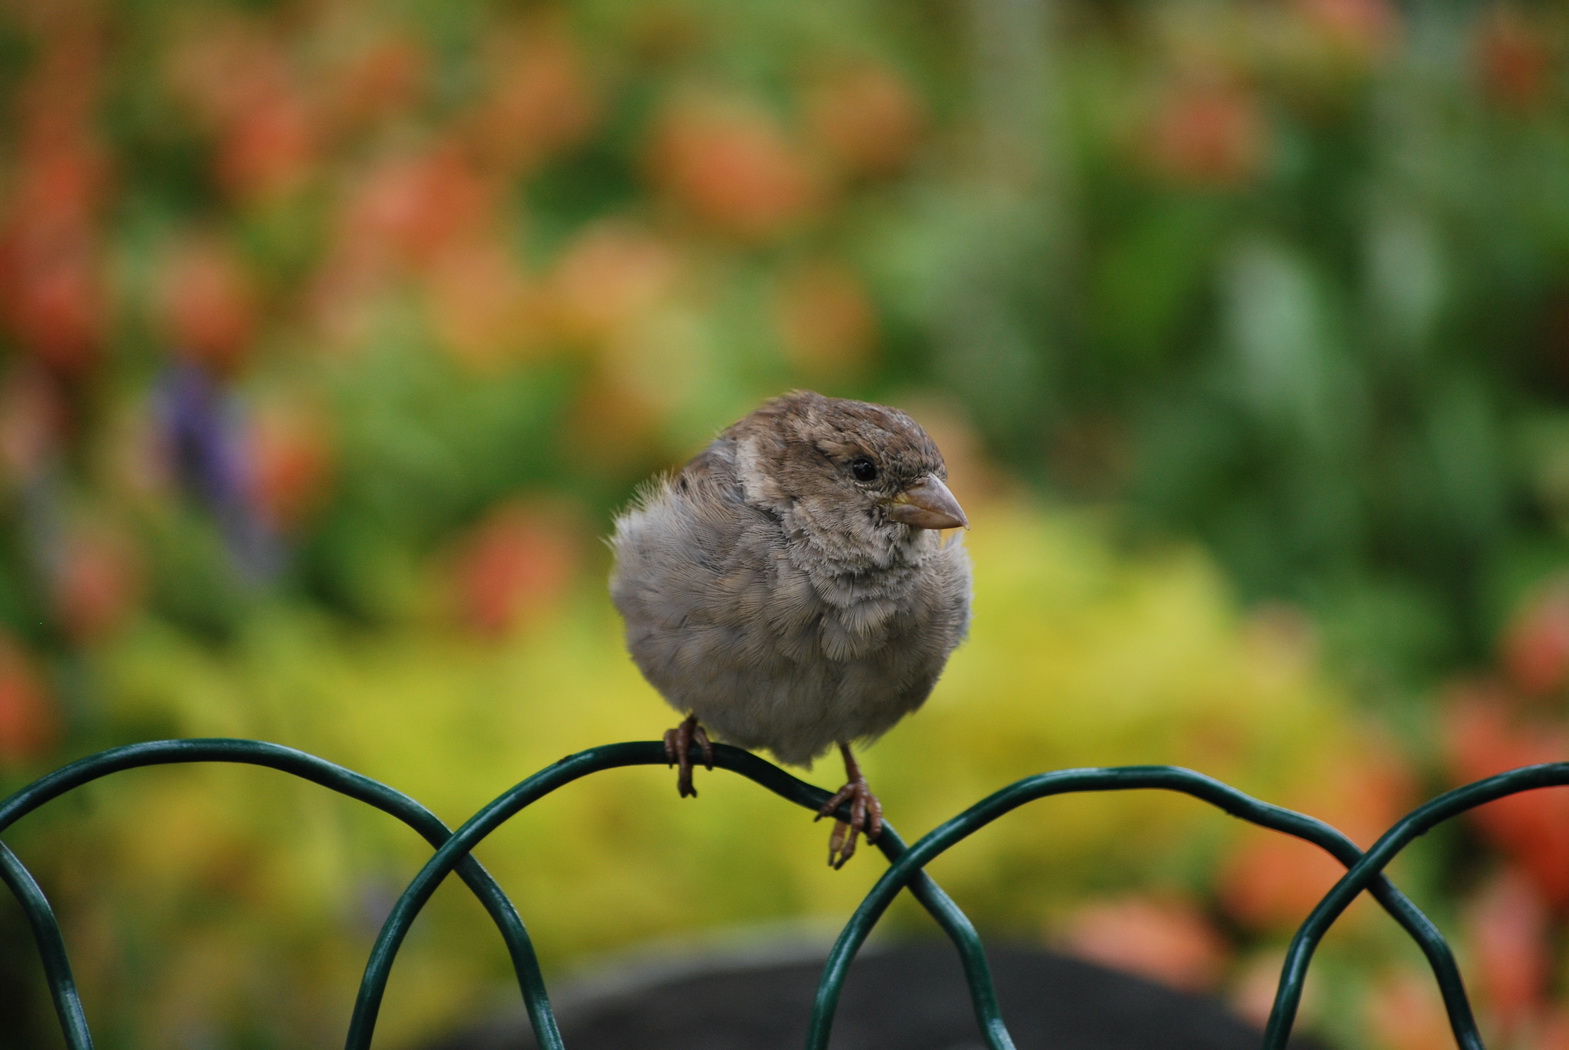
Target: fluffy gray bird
x: 789, y: 588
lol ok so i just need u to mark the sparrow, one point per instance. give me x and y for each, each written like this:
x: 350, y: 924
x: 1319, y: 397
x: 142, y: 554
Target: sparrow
x: 789, y: 589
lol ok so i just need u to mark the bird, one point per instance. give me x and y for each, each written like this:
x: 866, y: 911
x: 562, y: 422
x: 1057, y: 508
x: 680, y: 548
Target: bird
x: 791, y: 589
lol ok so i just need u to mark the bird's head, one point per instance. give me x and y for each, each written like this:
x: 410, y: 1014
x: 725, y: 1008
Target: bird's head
x: 862, y: 482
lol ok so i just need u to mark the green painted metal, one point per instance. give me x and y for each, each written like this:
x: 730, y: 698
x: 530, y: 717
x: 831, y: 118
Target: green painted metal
x: 1126, y: 778
x: 506, y: 805
x: 308, y: 767
x: 51, y: 947
x: 1369, y: 868
x: 906, y: 870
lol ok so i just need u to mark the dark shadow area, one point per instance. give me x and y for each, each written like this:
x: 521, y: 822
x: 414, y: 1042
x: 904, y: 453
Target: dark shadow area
x: 910, y: 997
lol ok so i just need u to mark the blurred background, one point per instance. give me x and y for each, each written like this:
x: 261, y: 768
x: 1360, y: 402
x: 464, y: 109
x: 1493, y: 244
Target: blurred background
x: 333, y: 333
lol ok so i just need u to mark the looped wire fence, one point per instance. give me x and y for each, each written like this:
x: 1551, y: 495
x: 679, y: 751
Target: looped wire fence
x: 1364, y: 871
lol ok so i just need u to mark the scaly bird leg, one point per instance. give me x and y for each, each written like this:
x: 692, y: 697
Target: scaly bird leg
x: 678, y: 752
x: 866, y: 813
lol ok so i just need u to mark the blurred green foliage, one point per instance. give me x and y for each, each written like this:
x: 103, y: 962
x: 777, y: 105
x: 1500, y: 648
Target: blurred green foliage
x: 1093, y: 658
x: 1286, y: 277
x: 331, y: 335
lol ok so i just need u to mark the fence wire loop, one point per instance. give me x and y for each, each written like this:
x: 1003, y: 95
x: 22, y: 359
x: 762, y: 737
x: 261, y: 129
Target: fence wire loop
x: 906, y: 870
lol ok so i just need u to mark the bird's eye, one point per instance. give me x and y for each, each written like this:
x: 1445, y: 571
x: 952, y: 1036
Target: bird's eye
x: 863, y: 469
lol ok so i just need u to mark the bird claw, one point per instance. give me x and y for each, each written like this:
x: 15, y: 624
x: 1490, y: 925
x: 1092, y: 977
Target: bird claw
x: 678, y: 752
x: 866, y: 817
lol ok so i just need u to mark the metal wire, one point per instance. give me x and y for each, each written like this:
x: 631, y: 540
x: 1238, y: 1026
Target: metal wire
x: 1168, y: 778
x: 611, y: 756
x: 46, y: 931
x: 906, y: 870
x: 51, y: 947
x: 1418, y: 822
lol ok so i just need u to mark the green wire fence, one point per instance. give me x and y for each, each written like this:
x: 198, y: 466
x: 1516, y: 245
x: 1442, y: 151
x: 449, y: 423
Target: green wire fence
x: 906, y: 871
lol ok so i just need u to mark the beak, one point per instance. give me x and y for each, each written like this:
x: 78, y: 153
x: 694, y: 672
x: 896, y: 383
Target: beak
x: 928, y: 504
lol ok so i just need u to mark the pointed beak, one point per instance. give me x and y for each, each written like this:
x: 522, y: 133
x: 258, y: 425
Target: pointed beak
x: 928, y: 504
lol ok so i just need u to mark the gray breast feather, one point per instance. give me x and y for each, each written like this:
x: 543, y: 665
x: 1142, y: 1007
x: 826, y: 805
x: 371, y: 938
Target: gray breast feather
x: 724, y: 623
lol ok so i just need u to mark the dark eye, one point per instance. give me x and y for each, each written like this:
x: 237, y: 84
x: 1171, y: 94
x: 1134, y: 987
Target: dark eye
x: 863, y: 469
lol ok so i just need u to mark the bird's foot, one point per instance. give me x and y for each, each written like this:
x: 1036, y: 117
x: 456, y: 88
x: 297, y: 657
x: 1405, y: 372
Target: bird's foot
x: 678, y: 752
x: 866, y: 816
